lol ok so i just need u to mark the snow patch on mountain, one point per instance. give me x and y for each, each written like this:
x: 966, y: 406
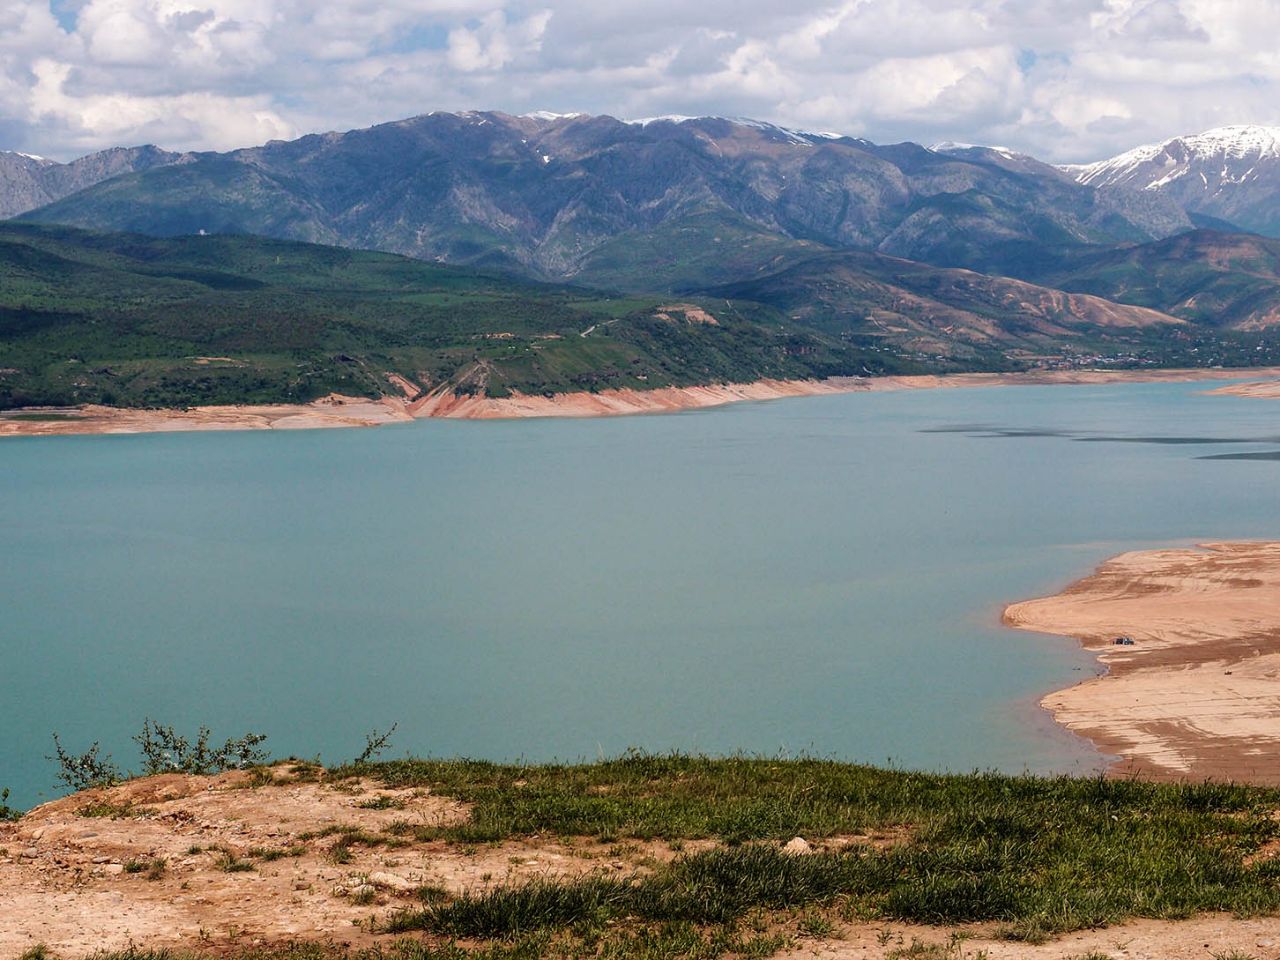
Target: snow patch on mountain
x: 28, y: 156
x: 954, y: 146
x: 1156, y: 165
x: 551, y: 117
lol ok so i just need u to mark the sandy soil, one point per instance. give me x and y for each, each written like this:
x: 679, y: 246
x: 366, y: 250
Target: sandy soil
x: 339, y: 411
x: 1262, y: 389
x: 1198, y: 693
x: 66, y: 879
x: 331, y: 411
x: 1200, y: 939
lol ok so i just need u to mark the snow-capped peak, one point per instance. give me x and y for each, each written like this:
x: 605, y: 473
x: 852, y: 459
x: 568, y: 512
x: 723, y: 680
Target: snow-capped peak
x: 799, y: 137
x: 26, y: 156
x: 665, y: 118
x: 549, y: 116
x: 1154, y: 165
x: 953, y: 146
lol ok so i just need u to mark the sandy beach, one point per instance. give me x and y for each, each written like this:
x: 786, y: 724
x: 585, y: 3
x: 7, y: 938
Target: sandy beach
x: 340, y: 411
x: 1197, y: 694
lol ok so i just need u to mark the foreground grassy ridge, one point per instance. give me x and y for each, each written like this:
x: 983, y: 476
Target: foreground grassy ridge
x: 1046, y: 855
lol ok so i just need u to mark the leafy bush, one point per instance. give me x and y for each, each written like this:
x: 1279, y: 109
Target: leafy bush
x: 164, y: 750
x: 7, y: 812
x: 82, y: 771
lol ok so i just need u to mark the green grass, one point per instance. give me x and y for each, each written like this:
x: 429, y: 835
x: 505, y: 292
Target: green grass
x: 1041, y: 856
x: 1023, y: 858
x: 228, y: 862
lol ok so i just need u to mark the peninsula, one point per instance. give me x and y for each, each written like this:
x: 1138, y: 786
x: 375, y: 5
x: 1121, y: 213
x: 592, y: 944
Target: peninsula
x: 1194, y: 695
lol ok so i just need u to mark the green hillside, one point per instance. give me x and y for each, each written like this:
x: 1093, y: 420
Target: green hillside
x: 136, y: 321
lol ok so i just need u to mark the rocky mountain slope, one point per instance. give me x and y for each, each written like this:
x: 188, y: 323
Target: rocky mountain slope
x: 1229, y: 173
x: 1225, y: 280
x: 582, y: 196
x: 28, y: 182
x: 940, y: 311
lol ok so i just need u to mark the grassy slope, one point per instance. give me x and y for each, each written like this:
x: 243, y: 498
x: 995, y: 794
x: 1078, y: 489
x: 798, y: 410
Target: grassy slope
x: 692, y: 253
x: 1030, y: 857
x: 123, y: 319
x: 1049, y: 855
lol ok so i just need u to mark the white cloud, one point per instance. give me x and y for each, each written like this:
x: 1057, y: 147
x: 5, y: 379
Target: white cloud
x: 494, y: 42
x: 185, y: 120
x: 1075, y: 79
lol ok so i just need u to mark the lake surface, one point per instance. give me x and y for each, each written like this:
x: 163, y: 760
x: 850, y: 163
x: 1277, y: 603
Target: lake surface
x: 821, y: 575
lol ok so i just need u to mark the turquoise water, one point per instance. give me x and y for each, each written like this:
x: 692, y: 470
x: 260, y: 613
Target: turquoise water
x: 818, y: 575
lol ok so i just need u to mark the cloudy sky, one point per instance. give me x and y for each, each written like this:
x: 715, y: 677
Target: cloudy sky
x: 1063, y: 79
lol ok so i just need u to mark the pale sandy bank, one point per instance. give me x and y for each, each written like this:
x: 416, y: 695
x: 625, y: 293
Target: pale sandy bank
x: 333, y: 411
x: 339, y: 411
x: 1198, y: 693
x: 1262, y: 389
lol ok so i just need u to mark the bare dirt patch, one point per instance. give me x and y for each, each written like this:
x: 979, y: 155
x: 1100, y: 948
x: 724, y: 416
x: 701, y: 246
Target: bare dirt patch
x: 242, y: 864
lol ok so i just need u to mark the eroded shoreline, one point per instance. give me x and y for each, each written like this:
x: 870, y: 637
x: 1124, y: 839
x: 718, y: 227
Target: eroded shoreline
x: 340, y: 411
x: 1197, y: 694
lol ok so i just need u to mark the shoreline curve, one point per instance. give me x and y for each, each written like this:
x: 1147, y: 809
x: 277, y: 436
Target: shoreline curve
x: 1197, y: 694
x: 342, y: 411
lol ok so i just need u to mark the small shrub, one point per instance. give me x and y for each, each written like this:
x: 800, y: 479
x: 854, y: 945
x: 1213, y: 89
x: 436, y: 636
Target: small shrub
x: 340, y: 852
x: 261, y: 777
x: 164, y: 750
x: 230, y: 863
x: 271, y: 854
x: 374, y: 745
x: 134, y: 866
x: 7, y: 813
x: 817, y: 926
x: 382, y: 802
x: 83, y: 771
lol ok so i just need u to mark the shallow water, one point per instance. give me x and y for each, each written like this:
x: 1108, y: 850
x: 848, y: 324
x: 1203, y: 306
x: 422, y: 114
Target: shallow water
x: 819, y: 575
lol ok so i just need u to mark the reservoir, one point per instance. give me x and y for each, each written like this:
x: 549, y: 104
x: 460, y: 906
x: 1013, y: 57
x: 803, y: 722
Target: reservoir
x: 818, y: 576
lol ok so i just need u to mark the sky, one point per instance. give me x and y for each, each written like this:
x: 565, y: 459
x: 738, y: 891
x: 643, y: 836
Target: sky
x: 1064, y: 80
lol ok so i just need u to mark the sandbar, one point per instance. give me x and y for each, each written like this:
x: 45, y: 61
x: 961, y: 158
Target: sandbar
x: 1197, y: 694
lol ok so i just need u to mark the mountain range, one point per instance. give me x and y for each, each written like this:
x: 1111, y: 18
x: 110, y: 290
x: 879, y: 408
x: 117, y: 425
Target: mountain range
x: 550, y: 196
x: 861, y: 257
